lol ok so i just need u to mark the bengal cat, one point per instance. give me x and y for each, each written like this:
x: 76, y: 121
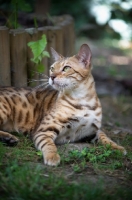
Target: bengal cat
x: 67, y: 110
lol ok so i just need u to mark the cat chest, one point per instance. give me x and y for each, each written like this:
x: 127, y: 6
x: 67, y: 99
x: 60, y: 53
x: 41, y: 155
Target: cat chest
x: 82, y: 122
x: 77, y: 127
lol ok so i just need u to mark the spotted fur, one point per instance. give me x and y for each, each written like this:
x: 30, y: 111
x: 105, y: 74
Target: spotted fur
x: 65, y: 111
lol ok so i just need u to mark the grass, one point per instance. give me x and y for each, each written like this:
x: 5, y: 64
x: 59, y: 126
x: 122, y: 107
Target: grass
x: 99, y: 157
x: 23, y: 176
x: 20, y: 182
x: 26, y: 182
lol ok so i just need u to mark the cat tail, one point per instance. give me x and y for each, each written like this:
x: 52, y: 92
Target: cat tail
x: 104, y: 139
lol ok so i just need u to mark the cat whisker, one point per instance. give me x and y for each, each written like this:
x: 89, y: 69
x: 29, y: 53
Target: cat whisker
x: 44, y: 75
x: 37, y: 80
x: 39, y: 73
x: 44, y: 84
x: 43, y: 79
x: 37, y: 87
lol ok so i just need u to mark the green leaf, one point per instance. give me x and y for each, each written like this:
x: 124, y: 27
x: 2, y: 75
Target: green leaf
x: 34, y: 60
x: 37, y: 48
x: 40, y: 68
x: 39, y: 153
x: 45, y: 54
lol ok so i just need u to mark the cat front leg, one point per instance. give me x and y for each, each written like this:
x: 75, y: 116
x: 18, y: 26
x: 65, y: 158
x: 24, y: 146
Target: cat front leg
x: 44, y: 141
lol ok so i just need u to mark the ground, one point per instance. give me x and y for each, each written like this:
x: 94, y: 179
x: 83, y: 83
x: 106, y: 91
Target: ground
x: 86, y: 171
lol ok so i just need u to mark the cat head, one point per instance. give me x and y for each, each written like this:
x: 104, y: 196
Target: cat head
x: 67, y: 73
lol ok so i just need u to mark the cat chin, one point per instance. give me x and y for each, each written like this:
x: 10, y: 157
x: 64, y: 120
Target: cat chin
x: 59, y: 88
x: 56, y: 85
x: 56, y: 88
x: 62, y: 87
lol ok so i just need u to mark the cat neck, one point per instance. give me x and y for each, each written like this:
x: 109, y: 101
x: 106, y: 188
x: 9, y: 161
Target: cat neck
x: 85, y: 89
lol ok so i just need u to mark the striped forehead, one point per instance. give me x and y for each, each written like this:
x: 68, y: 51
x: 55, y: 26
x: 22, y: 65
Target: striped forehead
x: 60, y: 64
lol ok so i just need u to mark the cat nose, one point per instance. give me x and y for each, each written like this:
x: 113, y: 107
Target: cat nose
x: 52, y: 77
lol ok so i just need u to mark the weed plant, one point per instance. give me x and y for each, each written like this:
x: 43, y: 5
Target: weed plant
x: 99, y: 157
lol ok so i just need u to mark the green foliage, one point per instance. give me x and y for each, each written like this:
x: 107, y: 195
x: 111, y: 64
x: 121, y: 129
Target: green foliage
x: 2, y: 152
x: 80, y: 10
x: 85, y: 21
x: 39, y: 153
x: 97, y: 156
x: 38, y: 50
x: 22, y: 5
x: 35, y: 22
x: 15, y: 6
x: 20, y: 182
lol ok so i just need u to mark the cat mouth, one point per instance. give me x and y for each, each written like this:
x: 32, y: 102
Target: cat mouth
x: 59, y: 85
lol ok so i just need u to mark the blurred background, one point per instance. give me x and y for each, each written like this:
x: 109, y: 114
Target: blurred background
x: 112, y: 19
x: 106, y: 26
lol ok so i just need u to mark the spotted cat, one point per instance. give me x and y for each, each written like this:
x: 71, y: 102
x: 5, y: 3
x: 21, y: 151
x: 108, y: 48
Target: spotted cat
x: 67, y: 110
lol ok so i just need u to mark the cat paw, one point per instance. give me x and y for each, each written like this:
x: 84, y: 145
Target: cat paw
x: 52, y: 159
x: 11, y: 141
x: 123, y: 150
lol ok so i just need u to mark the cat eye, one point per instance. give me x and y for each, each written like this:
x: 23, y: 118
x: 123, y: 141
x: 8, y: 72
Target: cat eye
x: 52, y: 69
x: 66, y: 68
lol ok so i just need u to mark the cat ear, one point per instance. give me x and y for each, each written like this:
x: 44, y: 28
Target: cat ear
x: 84, y: 55
x: 55, y: 55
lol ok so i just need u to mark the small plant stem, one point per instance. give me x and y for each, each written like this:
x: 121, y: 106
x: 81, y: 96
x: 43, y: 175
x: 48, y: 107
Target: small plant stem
x: 35, y: 22
x: 16, y: 14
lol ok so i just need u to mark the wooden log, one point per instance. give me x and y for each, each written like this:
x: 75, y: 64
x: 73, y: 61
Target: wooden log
x: 55, y: 40
x: 59, y: 39
x: 68, y: 38
x: 67, y: 24
x: 71, y: 32
x: 66, y: 42
x: 72, y: 37
x: 41, y: 31
x: 57, y: 20
x: 18, y: 57
x: 67, y: 17
x: 5, y: 78
x: 51, y: 38
x: 31, y: 35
